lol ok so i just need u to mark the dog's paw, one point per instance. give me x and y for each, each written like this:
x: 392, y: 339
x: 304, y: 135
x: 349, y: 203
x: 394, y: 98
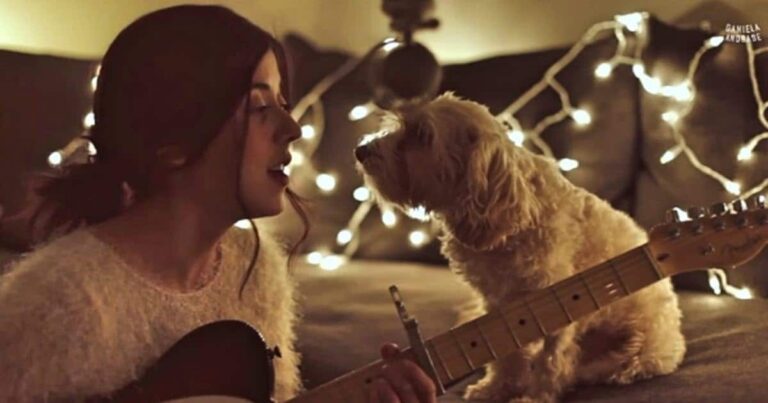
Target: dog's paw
x: 631, y: 371
x: 534, y: 399
x: 485, y: 391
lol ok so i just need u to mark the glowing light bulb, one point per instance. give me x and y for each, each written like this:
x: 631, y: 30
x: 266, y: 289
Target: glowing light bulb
x: 670, y: 154
x: 670, y: 117
x: 418, y: 213
x: 315, y: 257
x: 361, y: 194
x: 332, y: 262
x: 745, y: 154
x: 54, y: 159
x: 389, y: 218
x: 359, y: 112
x: 326, y: 182
x: 243, y: 224
x: 89, y: 120
x: 417, y: 238
x: 308, y: 132
x: 603, y: 70
x: 715, y: 41
x: 733, y: 187
x: 91, y: 149
x: 516, y: 136
x: 581, y: 117
x: 632, y: 22
x: 638, y: 70
x: 714, y: 282
x: 567, y: 164
x: 741, y: 293
x: 680, y: 92
x: 651, y: 84
x: 344, y: 236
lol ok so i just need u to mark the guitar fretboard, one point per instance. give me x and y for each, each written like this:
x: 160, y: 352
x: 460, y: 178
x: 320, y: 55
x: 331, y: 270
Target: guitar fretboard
x: 468, y: 347
x: 500, y: 332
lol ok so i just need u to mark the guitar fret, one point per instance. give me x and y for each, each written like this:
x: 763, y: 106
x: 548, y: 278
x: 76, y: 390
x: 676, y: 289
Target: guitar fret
x: 535, y: 318
x: 653, y: 263
x: 461, y: 349
x: 509, y: 329
x: 618, y: 276
x: 440, y: 360
x: 589, y: 289
x: 485, y: 340
x: 568, y: 314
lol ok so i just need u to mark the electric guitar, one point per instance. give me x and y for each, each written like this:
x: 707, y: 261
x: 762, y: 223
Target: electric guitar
x: 231, y: 359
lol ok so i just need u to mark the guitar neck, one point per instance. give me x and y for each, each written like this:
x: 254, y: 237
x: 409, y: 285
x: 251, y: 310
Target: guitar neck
x: 466, y: 348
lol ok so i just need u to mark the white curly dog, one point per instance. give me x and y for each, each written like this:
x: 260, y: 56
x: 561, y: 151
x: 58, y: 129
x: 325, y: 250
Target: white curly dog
x: 512, y: 224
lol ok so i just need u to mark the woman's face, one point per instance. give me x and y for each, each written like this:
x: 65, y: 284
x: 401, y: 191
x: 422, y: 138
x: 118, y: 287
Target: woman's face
x: 270, y: 131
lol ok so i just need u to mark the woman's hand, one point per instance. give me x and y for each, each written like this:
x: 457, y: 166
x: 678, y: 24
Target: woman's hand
x: 401, y: 381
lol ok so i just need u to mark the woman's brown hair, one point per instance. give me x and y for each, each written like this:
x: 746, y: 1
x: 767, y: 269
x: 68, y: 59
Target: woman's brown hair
x: 172, y: 77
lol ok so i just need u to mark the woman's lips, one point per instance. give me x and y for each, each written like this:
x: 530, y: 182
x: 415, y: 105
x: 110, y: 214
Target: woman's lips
x: 279, y: 176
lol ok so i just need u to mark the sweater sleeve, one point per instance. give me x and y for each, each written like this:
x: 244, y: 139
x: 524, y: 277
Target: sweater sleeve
x: 47, y: 319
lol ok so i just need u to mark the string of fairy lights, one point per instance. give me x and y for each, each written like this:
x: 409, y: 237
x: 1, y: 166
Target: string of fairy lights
x: 630, y: 32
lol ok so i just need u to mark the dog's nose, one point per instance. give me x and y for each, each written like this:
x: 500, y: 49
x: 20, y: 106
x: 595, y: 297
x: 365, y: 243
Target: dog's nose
x: 362, y: 152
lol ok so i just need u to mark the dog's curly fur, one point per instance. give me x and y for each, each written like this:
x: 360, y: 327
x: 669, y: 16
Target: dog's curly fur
x: 513, y: 224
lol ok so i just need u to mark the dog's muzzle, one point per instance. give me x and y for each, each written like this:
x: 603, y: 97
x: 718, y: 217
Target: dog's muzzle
x: 362, y: 152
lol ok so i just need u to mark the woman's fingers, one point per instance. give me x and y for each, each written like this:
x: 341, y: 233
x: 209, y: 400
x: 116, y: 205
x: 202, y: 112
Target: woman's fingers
x: 381, y: 392
x: 410, y: 383
x: 389, y: 351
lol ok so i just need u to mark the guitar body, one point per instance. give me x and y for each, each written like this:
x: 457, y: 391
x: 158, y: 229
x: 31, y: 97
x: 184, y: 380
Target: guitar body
x: 227, y: 358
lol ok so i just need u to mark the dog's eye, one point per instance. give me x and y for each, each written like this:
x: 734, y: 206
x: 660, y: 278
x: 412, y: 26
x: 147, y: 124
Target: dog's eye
x: 423, y: 137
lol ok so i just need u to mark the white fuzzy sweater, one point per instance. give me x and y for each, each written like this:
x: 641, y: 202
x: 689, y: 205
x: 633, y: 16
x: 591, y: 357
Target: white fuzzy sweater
x: 76, y: 321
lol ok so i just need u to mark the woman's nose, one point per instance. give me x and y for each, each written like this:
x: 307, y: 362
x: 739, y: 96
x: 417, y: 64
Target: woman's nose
x: 290, y: 131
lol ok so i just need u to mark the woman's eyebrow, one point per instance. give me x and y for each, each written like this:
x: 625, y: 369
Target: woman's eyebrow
x: 261, y: 86
x: 264, y: 87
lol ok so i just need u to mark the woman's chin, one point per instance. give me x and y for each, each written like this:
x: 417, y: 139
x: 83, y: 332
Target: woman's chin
x: 267, y: 210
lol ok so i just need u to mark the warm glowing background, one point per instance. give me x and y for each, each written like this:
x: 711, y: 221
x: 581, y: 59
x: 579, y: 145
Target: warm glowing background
x: 84, y: 28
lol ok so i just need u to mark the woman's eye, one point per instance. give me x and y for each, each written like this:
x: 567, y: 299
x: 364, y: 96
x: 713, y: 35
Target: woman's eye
x: 262, y: 108
x: 259, y: 108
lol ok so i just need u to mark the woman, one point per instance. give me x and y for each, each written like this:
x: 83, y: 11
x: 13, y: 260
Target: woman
x: 192, y: 134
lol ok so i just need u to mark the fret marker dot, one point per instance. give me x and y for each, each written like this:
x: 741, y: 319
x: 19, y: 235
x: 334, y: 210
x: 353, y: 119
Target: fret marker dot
x: 473, y: 344
x: 521, y: 322
x: 575, y: 297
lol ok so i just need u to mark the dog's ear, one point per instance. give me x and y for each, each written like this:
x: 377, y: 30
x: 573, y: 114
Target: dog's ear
x: 500, y: 199
x: 420, y: 128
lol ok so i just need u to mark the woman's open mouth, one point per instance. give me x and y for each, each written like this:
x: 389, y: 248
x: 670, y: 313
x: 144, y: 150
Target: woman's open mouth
x: 280, y: 173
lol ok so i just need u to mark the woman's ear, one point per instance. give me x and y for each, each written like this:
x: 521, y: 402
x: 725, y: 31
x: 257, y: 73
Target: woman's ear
x: 172, y: 156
